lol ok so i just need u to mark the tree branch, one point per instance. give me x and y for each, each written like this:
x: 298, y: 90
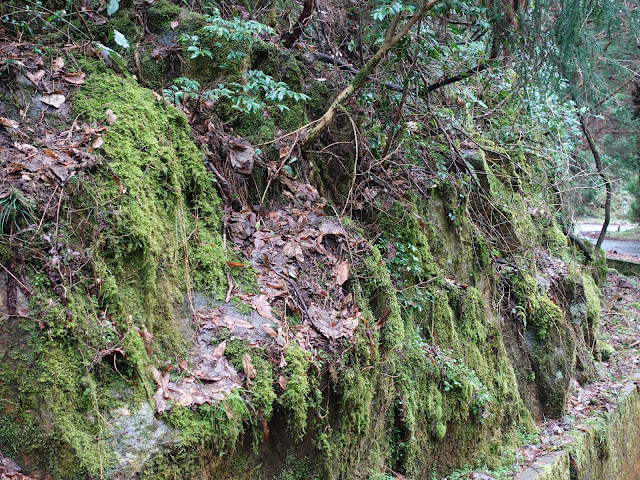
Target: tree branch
x: 290, y: 37
x: 361, y: 78
x: 456, y: 78
x: 603, y: 175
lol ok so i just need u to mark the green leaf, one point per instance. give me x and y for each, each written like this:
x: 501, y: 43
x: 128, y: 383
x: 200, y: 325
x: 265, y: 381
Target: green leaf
x: 120, y: 39
x: 113, y: 6
x: 115, y: 57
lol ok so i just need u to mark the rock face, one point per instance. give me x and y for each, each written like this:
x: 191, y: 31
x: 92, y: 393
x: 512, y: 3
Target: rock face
x: 134, y: 438
x: 419, y: 338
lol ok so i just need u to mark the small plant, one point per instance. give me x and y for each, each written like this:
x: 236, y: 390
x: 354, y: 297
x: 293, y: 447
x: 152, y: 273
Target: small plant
x: 193, y: 42
x: 14, y: 208
x: 236, y: 29
x: 183, y: 88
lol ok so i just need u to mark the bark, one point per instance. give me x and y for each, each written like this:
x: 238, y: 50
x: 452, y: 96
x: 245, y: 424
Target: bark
x: 361, y: 78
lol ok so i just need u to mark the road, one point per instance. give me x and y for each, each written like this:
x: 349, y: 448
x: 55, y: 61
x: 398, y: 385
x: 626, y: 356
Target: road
x: 624, y: 247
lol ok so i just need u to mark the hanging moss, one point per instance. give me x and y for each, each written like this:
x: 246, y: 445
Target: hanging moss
x: 297, y: 398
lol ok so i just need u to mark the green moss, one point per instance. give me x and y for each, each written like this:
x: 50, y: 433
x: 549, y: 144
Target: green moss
x: 160, y: 15
x: 482, y: 253
x: 157, y: 177
x: 297, y: 469
x: 297, y: 395
x: 592, y: 300
x: 606, y: 351
x: 262, y: 390
x: 381, y: 299
x: 216, y: 426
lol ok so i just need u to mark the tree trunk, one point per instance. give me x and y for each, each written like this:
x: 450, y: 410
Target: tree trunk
x: 605, y: 180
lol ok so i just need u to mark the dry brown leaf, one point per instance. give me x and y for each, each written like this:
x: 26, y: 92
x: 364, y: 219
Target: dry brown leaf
x: 54, y: 99
x: 35, y: 77
x: 97, y: 143
x: 248, y: 367
x: 182, y: 365
x: 77, y: 78
x: 219, y: 350
x: 292, y: 250
x: 111, y: 117
x: 49, y: 153
x: 7, y: 122
x: 342, y: 272
x: 282, y: 382
x: 174, y: 25
x: 241, y: 155
x: 236, y: 264
x: 263, y: 307
x: 269, y: 331
x: 57, y: 64
x: 285, y: 151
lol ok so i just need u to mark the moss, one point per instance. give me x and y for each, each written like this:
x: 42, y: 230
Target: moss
x: 481, y: 251
x: 216, y: 426
x: 592, y: 300
x: 598, y: 267
x: 148, y: 207
x: 157, y: 176
x: 297, y: 469
x: 606, y: 351
x: 296, y: 397
x: 262, y: 390
x: 382, y: 301
x: 160, y: 15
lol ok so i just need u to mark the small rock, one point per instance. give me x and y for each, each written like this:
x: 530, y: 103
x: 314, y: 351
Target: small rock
x: 10, y: 466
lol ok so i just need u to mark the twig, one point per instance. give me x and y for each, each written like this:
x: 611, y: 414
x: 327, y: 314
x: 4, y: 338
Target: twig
x: 299, y: 297
x: 230, y: 283
x: 355, y: 160
x: 16, y: 279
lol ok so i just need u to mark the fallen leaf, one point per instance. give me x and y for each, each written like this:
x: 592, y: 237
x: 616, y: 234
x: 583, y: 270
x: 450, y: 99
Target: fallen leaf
x: 111, y: 117
x: 236, y: 264
x: 49, y: 153
x: 269, y: 331
x: 342, y: 272
x: 219, y: 350
x: 292, y: 250
x: 174, y: 25
x: 183, y: 365
x: 285, y: 151
x: 97, y: 143
x: 263, y: 307
x: 248, y: 367
x: 282, y: 382
x: 77, y: 78
x: 241, y: 155
x: 54, y: 99
x: 265, y: 427
x: 35, y: 77
x: 57, y: 64
x: 7, y: 122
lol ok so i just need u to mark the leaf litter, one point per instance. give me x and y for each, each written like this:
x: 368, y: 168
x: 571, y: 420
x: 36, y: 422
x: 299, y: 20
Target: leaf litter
x: 303, y: 260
